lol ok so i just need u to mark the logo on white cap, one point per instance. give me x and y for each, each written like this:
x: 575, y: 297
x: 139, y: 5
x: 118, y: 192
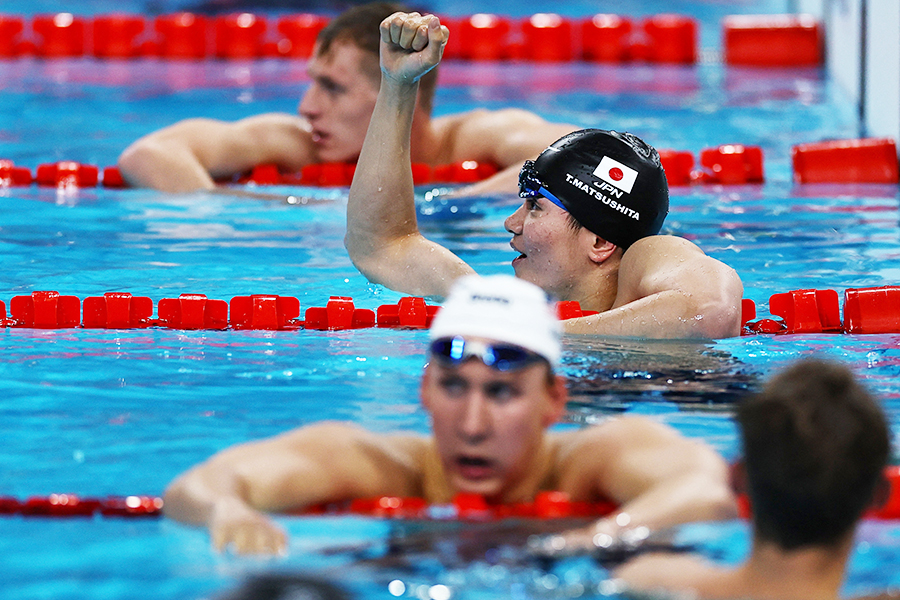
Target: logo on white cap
x: 615, y: 173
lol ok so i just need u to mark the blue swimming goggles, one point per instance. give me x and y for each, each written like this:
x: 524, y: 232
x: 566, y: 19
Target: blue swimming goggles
x: 502, y: 357
x: 531, y: 186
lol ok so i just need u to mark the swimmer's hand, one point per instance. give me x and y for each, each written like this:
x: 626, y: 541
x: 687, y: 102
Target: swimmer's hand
x: 411, y: 45
x: 236, y: 527
x: 604, y: 539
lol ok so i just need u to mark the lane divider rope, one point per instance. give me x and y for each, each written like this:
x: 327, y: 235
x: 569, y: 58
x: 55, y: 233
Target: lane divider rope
x: 871, y: 310
x: 546, y: 505
x: 864, y: 160
x: 769, y: 41
x: 549, y: 37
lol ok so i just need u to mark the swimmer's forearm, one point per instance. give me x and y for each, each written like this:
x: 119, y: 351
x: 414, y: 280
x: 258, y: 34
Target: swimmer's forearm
x: 381, y: 204
x: 192, y: 497
x: 671, y: 314
x: 689, y: 498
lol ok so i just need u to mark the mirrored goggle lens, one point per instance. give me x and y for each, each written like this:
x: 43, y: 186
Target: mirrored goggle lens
x: 503, y: 357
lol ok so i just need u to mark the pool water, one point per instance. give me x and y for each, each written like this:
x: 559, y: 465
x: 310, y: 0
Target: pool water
x: 109, y: 412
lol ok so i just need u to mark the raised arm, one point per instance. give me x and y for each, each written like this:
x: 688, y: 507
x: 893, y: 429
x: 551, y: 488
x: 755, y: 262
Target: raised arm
x: 231, y: 492
x: 669, y: 288
x: 383, y: 238
x: 190, y: 154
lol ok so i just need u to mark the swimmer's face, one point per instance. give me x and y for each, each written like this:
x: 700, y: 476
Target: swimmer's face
x: 489, y: 425
x: 552, y: 255
x: 339, y: 102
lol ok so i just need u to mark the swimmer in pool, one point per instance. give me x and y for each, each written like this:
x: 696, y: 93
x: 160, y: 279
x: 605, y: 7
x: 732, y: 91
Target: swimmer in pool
x: 815, y: 445
x: 491, y: 391
x: 333, y: 116
x: 587, y: 231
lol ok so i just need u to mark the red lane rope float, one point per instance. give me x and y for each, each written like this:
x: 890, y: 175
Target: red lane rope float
x: 70, y: 505
x: 866, y: 311
x: 867, y: 160
x: 772, y: 40
x: 121, y: 310
x: 71, y: 174
x: 754, y: 40
x: 547, y: 37
x: 11, y: 175
x: 546, y: 505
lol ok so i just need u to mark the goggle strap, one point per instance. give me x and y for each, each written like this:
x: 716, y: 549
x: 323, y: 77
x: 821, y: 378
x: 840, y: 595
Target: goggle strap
x: 546, y: 194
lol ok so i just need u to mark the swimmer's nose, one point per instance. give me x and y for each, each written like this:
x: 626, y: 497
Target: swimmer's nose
x: 308, y: 106
x: 513, y: 222
x: 476, y: 420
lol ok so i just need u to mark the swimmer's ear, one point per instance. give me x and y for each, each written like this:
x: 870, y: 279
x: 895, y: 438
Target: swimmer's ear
x: 424, y: 396
x: 600, y: 249
x: 882, y: 493
x: 737, y: 474
x: 559, y: 397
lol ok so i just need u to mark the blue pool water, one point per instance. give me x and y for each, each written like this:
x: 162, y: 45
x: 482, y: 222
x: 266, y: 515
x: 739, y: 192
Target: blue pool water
x: 122, y: 412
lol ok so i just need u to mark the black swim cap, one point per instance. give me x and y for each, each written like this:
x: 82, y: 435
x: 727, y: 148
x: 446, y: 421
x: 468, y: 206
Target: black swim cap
x: 612, y: 183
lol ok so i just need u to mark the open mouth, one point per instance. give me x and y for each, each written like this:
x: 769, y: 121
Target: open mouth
x: 521, y: 254
x: 474, y: 467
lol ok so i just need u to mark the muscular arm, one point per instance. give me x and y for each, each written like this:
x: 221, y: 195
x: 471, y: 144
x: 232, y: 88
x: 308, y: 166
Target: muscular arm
x: 383, y: 239
x: 230, y: 492
x: 668, y: 288
x: 657, y: 477
x: 188, y: 155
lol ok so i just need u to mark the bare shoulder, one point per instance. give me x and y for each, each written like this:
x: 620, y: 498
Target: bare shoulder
x: 504, y: 136
x: 667, y: 263
x: 346, y: 436
x: 676, y: 572
x: 611, y: 435
x: 275, y: 129
x: 656, y: 246
x: 608, y: 453
x: 276, y: 120
x: 483, y: 118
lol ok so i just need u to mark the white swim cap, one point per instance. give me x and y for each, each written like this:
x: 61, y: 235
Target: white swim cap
x: 500, y: 308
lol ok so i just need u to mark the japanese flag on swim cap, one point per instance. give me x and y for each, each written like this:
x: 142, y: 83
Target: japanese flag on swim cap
x: 502, y: 308
x: 612, y: 183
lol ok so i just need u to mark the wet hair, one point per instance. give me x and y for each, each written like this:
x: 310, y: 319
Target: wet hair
x: 360, y: 26
x: 815, y: 446
x: 285, y: 586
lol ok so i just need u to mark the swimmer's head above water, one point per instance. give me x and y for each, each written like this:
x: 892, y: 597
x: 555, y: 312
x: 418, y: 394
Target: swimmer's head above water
x: 611, y: 183
x: 515, y: 316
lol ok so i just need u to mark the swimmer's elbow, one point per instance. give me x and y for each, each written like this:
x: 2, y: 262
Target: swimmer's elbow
x: 163, y: 165
x: 362, y: 256
x: 132, y: 160
x: 729, y: 305
x: 379, y: 260
x: 141, y: 162
x: 717, y: 310
x: 178, y: 503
